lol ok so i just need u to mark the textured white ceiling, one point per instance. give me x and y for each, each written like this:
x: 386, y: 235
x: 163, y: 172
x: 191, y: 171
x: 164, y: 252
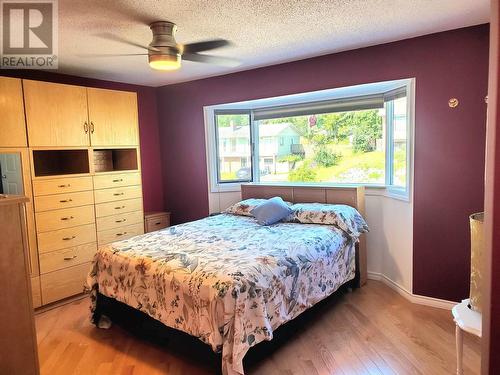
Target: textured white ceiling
x: 264, y: 32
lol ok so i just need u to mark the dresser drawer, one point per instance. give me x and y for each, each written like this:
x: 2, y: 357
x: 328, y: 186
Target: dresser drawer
x: 113, y: 208
x: 116, y: 180
x: 158, y: 222
x: 62, y: 185
x: 65, y: 218
x: 112, y: 235
x: 118, y: 221
x: 64, y: 238
x: 64, y: 283
x: 60, y: 259
x: 117, y: 194
x: 55, y: 202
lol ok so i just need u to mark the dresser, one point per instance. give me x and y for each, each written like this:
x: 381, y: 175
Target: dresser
x: 66, y: 234
x: 18, y: 347
x: 83, y: 171
x: 118, y: 203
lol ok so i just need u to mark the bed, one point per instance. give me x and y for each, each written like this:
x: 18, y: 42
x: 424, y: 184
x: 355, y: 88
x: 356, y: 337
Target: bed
x: 227, y: 280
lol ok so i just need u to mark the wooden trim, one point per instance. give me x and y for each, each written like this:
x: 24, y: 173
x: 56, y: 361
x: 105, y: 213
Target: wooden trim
x: 490, y: 342
x: 65, y: 301
x: 351, y: 195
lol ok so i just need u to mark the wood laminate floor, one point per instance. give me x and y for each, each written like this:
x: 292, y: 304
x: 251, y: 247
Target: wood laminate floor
x: 372, y: 330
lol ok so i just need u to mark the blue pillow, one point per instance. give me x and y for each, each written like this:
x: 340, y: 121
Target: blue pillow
x: 271, y: 211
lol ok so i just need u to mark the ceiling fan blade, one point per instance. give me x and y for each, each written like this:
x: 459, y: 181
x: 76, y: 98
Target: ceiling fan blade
x: 205, y: 46
x: 111, y: 54
x: 209, y: 59
x: 119, y: 39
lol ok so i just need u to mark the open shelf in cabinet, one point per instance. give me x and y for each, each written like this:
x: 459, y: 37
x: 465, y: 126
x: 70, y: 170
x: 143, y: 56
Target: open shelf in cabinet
x: 116, y: 159
x: 60, y: 162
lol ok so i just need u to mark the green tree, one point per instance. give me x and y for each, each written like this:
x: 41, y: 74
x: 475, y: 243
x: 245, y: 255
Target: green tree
x: 292, y: 159
x: 304, y: 173
x: 223, y: 121
x: 323, y: 156
x: 366, y: 129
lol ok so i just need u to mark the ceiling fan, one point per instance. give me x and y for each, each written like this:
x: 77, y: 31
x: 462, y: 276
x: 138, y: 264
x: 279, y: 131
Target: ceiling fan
x: 164, y: 53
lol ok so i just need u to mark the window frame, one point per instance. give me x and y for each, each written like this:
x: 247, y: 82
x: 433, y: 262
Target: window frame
x: 218, y: 112
x: 212, y: 152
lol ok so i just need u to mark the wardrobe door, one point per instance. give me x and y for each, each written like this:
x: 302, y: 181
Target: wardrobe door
x: 12, y: 127
x: 56, y: 114
x: 113, y: 117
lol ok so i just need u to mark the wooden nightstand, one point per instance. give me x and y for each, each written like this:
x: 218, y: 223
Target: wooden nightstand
x: 156, y: 221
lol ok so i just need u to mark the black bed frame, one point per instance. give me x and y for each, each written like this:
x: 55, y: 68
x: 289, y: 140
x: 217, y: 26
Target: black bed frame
x: 181, y: 344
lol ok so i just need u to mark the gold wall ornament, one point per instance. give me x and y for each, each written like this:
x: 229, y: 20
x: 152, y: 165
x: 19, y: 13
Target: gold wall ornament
x: 453, y: 103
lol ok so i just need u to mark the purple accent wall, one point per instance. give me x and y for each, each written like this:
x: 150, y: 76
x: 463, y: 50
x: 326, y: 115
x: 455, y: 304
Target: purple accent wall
x: 449, y: 143
x: 148, y: 127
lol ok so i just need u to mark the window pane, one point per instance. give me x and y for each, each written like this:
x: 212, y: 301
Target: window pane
x: 400, y: 140
x: 345, y: 147
x: 233, y: 147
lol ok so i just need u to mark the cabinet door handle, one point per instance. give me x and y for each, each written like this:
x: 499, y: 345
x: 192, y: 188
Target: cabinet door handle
x: 70, y: 258
x: 69, y: 238
x: 64, y: 185
x: 118, y: 180
x: 66, y: 200
x: 120, y: 221
x: 117, y: 194
x: 91, y: 127
x: 67, y: 218
x: 121, y: 234
x: 86, y: 127
x: 119, y: 207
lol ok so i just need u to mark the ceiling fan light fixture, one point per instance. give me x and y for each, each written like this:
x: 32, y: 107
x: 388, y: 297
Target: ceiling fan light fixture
x: 165, y: 62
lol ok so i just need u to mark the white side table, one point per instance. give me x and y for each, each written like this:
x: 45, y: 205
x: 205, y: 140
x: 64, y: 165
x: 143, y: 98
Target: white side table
x: 466, y: 320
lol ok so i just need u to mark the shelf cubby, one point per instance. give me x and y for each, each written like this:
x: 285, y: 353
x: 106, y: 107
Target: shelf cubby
x: 60, y: 162
x: 116, y: 159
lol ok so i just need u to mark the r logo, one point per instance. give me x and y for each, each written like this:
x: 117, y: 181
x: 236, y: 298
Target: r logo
x: 27, y: 28
x: 29, y: 34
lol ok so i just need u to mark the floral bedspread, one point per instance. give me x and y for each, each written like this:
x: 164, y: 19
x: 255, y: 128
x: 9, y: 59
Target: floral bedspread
x: 225, y: 279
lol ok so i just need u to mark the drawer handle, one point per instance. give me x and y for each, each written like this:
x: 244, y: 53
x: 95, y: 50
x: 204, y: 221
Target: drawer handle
x: 121, y: 234
x: 119, y: 207
x: 67, y: 218
x: 118, y: 180
x: 66, y: 200
x: 69, y: 238
x: 120, y: 221
x: 158, y: 223
x: 70, y: 258
x: 63, y: 186
x: 117, y: 194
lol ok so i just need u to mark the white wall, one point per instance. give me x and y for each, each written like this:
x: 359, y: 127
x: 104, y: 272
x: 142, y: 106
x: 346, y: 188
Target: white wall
x: 389, y: 243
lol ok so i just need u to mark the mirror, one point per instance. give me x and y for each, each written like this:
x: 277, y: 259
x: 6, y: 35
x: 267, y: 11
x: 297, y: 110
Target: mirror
x: 11, y: 174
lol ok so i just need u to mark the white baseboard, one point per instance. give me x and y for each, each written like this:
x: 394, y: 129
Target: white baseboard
x: 414, y: 298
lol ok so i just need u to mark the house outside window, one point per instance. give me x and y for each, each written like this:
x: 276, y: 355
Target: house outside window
x: 362, y: 139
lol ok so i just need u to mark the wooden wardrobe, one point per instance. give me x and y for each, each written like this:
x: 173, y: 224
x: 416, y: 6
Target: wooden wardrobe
x: 84, y: 171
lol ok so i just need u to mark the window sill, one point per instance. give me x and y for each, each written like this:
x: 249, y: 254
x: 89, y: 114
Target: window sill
x: 371, y: 189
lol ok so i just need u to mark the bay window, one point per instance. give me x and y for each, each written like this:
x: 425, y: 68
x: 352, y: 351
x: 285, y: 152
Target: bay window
x: 356, y: 135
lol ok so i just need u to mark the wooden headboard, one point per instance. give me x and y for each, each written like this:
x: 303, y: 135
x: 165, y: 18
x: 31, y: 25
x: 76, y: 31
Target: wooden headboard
x: 352, y: 196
